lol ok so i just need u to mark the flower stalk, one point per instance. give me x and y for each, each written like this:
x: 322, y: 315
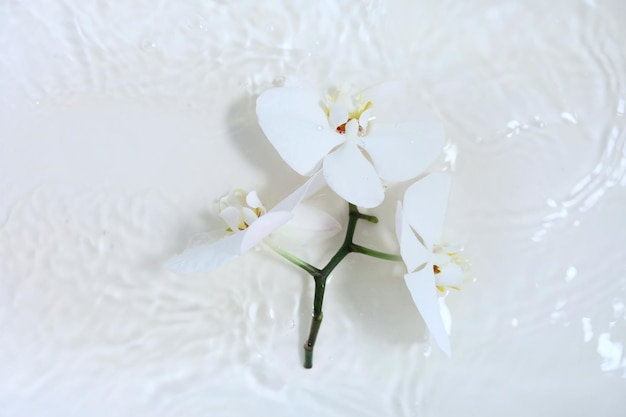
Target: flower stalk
x: 320, y: 276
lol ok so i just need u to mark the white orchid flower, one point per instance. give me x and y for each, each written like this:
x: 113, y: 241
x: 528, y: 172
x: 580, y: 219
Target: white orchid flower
x: 248, y: 224
x: 431, y: 266
x: 358, y: 140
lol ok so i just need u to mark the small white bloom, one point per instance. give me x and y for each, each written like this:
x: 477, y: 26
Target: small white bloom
x: 248, y: 224
x: 357, y: 140
x: 431, y: 266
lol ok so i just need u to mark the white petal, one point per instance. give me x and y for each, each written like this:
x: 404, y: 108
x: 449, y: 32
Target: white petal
x: 263, y: 227
x: 207, y: 257
x: 352, y: 176
x: 233, y: 199
x: 421, y: 285
x: 404, y: 150
x: 231, y: 217
x: 450, y: 276
x: 446, y: 316
x: 253, y: 200
x: 295, y: 123
x: 425, y: 205
x: 309, y: 225
x: 338, y: 115
x: 310, y: 187
x: 364, y: 119
x: 412, y: 251
x: 352, y: 129
x: 248, y: 215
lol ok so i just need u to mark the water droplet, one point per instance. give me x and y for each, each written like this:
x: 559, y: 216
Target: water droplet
x: 292, y: 324
x: 428, y: 351
x: 587, y: 330
x: 621, y: 107
x: 147, y: 45
x: 539, y: 122
x: 320, y: 127
x: 570, y: 274
x: 569, y: 117
x: 514, y: 322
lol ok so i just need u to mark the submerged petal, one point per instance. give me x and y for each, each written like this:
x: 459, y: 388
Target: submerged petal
x: 421, y: 285
x: 205, y: 258
x: 295, y: 123
x: 402, y: 151
x: 425, y: 205
x: 351, y: 175
x: 412, y: 250
x: 263, y: 227
x: 308, y: 225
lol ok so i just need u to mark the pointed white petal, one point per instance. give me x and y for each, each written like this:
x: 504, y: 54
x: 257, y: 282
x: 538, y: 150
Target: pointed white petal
x: 295, y: 123
x: 338, y: 115
x: 421, y: 285
x: 230, y: 215
x: 412, y: 251
x: 402, y: 151
x: 450, y: 276
x: 446, y: 316
x: 306, y: 190
x: 207, y: 257
x: 263, y: 227
x: 425, y: 205
x: 352, y: 176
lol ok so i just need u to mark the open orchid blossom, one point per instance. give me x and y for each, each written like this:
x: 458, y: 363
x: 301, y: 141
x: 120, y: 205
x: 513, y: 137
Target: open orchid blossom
x: 356, y: 140
x: 248, y: 224
x: 431, y: 267
x: 355, y: 144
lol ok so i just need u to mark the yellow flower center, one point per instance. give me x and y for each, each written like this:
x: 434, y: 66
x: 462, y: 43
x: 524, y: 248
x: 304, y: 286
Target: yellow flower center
x: 237, y: 211
x: 355, y: 106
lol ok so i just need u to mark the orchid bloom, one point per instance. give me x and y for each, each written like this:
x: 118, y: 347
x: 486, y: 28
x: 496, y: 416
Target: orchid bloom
x: 358, y: 140
x: 248, y: 224
x: 431, y: 267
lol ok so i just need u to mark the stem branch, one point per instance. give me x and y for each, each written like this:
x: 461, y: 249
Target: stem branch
x: 321, y: 275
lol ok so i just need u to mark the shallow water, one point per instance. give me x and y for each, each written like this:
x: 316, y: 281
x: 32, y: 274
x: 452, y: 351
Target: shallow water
x: 122, y: 125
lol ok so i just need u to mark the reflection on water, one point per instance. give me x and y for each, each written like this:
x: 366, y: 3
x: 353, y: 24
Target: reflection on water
x: 122, y: 121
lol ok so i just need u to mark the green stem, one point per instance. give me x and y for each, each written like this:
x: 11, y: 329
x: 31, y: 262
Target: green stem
x: 376, y: 254
x: 313, y: 271
x: 321, y: 275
